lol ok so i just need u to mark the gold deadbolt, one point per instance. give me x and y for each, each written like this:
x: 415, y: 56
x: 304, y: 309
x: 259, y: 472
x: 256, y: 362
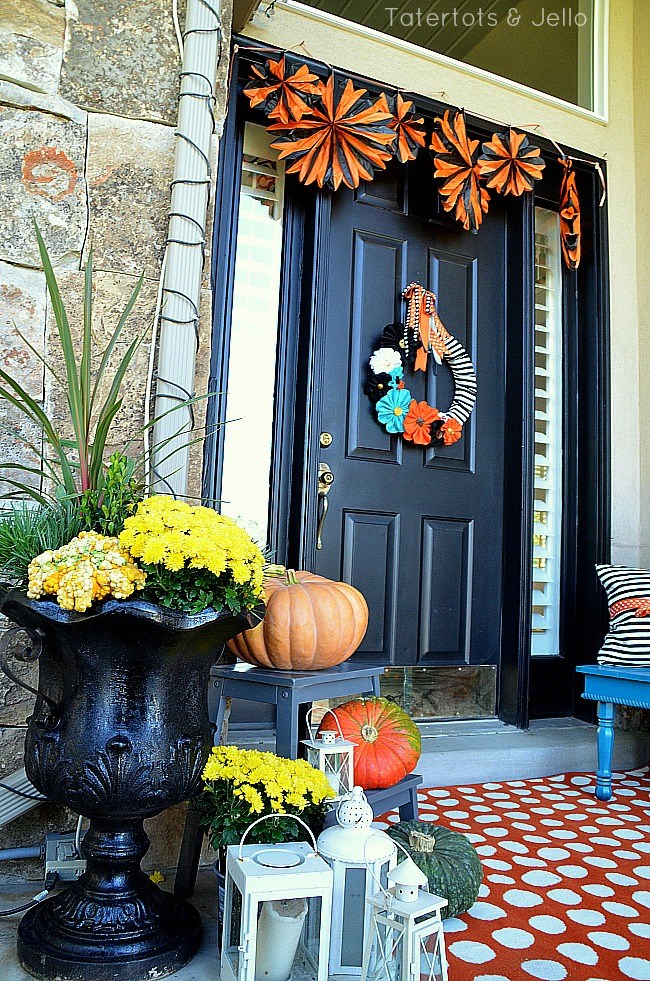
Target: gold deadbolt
x: 326, y: 439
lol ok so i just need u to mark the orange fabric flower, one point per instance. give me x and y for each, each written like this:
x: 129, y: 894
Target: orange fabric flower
x: 451, y: 431
x: 417, y: 424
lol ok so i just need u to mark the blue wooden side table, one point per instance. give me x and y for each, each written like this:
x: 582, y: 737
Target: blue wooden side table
x: 287, y: 690
x: 611, y: 685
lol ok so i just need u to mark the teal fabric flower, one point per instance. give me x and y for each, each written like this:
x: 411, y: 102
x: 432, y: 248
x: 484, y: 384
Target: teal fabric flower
x: 392, y: 409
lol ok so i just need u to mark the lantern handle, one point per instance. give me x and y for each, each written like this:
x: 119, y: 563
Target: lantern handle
x: 388, y: 897
x: 312, y: 734
x: 267, y: 817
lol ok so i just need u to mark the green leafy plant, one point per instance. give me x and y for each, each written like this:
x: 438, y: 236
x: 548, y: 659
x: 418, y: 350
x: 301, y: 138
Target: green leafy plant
x: 27, y: 530
x: 75, y: 465
x: 106, y: 510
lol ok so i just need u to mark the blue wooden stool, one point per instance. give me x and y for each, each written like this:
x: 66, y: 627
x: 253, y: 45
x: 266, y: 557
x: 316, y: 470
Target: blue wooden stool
x: 287, y: 690
x: 611, y: 685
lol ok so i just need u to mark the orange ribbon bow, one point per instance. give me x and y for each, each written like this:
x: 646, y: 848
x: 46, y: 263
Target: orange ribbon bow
x: 641, y: 606
x: 422, y: 318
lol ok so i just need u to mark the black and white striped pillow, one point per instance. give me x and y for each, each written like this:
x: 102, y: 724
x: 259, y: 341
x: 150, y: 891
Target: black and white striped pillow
x: 628, y: 596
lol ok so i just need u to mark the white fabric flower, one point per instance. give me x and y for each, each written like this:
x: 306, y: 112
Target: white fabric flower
x: 385, y: 360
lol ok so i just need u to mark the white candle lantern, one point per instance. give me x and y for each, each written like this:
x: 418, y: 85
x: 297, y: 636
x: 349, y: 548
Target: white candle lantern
x: 361, y: 858
x: 333, y: 755
x: 277, y: 915
x: 406, y: 940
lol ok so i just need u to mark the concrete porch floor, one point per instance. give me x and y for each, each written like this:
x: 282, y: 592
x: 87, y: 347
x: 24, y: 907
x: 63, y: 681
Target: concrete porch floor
x: 454, y: 753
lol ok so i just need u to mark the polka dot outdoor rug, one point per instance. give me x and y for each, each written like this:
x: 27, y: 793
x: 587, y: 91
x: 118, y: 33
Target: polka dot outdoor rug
x: 566, y: 879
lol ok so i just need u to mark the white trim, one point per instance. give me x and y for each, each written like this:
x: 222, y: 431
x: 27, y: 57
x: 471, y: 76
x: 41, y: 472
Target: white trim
x: 601, y: 42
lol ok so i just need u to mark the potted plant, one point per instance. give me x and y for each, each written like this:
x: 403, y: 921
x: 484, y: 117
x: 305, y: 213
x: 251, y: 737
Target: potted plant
x: 128, y: 601
x: 242, y: 785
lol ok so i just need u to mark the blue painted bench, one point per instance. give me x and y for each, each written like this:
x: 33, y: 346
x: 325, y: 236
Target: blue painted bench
x: 611, y: 685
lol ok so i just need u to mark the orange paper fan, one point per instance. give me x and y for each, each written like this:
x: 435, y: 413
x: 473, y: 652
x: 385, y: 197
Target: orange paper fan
x: 455, y: 164
x: 342, y: 141
x: 510, y: 163
x: 409, y: 129
x: 569, y: 216
x: 284, y: 94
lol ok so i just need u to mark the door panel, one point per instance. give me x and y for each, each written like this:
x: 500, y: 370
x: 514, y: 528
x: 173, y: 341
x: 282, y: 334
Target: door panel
x: 419, y: 531
x: 445, y: 617
x: 366, y: 534
x: 379, y: 268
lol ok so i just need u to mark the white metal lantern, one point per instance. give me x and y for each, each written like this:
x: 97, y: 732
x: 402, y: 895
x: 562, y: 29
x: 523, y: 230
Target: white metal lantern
x: 277, y: 915
x: 406, y: 939
x: 333, y: 755
x: 361, y: 858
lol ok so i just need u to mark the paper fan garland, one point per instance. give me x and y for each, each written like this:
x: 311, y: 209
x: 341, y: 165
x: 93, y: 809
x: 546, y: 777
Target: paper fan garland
x: 569, y: 216
x: 332, y: 134
x: 345, y: 138
x: 282, y: 92
x: 408, y: 127
x: 510, y: 163
x: 455, y: 164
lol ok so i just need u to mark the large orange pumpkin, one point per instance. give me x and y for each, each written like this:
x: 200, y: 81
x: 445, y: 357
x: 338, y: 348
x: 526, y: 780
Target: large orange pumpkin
x: 310, y: 623
x: 387, y: 741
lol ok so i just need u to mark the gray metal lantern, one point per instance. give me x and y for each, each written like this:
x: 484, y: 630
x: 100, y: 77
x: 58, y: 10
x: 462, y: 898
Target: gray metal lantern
x: 361, y: 858
x: 405, y: 940
x: 277, y: 911
x: 333, y: 755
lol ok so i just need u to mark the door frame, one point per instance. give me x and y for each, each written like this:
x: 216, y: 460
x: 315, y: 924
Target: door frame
x: 586, y: 506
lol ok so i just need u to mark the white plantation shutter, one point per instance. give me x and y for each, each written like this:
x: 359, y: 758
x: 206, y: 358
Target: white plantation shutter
x: 262, y: 173
x: 547, y: 527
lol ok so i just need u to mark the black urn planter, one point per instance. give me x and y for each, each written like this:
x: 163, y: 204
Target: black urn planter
x: 120, y: 732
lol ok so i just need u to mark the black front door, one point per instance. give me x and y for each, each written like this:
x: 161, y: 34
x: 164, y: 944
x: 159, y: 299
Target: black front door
x: 419, y: 531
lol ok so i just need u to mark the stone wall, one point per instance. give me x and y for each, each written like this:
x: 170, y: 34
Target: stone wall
x: 88, y: 106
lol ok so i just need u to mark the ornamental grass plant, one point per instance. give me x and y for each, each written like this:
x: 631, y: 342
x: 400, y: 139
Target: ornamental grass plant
x: 241, y: 785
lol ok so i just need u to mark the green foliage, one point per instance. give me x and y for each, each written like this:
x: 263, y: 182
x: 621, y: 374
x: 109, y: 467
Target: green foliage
x: 26, y: 530
x: 75, y: 465
x: 105, y: 510
x: 194, y: 590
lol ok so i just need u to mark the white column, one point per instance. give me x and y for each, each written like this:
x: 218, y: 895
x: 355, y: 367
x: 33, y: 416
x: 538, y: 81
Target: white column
x: 179, y: 318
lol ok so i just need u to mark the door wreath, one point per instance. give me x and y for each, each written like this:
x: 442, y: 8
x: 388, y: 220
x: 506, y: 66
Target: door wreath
x: 407, y: 345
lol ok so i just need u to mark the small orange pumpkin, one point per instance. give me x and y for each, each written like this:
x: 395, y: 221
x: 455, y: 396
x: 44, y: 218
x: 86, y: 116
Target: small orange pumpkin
x: 310, y: 623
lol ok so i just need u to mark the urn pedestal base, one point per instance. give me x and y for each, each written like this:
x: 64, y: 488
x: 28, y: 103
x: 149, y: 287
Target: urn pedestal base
x: 44, y: 954
x: 113, y: 924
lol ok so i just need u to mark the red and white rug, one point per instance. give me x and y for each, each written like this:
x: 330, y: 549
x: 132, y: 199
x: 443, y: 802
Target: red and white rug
x: 566, y: 886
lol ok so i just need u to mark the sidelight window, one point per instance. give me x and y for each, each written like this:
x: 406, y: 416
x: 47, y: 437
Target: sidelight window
x: 547, y: 483
x: 254, y: 335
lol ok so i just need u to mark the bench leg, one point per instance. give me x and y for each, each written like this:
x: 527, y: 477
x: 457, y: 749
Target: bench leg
x: 409, y: 810
x: 190, y: 853
x: 605, y: 749
x: 286, y: 725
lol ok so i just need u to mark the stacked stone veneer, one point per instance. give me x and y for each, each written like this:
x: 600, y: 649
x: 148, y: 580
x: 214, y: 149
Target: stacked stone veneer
x: 88, y: 105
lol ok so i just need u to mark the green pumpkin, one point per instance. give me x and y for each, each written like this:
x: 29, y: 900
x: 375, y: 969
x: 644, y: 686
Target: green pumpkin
x: 449, y: 861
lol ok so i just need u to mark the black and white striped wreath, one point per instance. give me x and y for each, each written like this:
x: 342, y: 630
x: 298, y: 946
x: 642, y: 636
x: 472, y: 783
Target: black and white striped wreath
x: 399, y: 346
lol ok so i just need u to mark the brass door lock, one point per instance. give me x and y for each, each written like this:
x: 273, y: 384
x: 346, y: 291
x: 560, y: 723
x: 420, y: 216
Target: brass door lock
x: 326, y: 439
